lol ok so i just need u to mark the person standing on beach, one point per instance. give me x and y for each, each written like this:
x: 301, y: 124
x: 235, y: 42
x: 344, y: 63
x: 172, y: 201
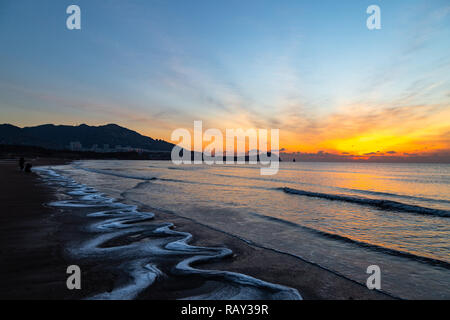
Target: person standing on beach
x: 28, y: 167
x: 21, y: 163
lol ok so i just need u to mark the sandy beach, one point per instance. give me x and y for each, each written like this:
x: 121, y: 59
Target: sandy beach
x: 34, y: 258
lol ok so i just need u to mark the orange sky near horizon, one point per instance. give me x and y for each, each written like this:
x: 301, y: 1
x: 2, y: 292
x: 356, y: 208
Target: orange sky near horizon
x: 390, y: 131
x: 394, y: 131
x: 416, y: 129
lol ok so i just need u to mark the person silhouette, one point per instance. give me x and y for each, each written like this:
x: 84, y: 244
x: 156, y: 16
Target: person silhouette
x: 22, y: 163
x: 28, y: 167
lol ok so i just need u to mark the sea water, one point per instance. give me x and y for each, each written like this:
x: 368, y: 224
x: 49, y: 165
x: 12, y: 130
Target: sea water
x: 341, y: 216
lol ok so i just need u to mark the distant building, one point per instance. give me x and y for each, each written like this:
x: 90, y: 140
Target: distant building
x: 75, y: 146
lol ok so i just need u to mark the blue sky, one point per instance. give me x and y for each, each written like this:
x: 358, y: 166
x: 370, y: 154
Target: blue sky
x: 154, y: 66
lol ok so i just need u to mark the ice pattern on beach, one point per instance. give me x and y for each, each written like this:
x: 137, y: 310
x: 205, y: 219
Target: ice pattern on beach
x: 122, y: 220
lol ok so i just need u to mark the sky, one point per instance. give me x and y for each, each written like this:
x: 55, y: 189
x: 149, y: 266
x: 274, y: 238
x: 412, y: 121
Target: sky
x: 309, y: 68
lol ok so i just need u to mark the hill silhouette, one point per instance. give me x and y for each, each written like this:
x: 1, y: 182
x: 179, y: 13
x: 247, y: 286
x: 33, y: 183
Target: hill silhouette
x: 59, y: 137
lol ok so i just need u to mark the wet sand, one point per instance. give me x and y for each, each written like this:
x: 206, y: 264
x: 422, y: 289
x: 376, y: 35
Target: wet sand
x: 34, y: 260
x: 31, y: 265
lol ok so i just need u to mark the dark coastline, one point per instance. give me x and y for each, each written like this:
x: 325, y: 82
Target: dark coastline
x: 15, y: 151
x: 31, y: 258
x: 34, y: 263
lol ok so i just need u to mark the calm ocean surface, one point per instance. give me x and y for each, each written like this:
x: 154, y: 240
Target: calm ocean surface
x: 342, y: 216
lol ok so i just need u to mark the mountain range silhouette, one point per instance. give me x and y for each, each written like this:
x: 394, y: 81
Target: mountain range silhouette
x: 59, y: 137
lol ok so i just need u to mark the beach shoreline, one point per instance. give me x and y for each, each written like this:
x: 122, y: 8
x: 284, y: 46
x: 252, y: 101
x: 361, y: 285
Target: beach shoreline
x: 34, y: 258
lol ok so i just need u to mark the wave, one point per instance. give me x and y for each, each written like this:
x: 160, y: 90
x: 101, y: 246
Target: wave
x: 148, y: 179
x: 398, y: 253
x: 376, y: 203
x: 396, y: 195
x: 370, y: 192
x: 375, y: 247
x: 187, y: 168
x: 130, y: 238
x: 115, y: 174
